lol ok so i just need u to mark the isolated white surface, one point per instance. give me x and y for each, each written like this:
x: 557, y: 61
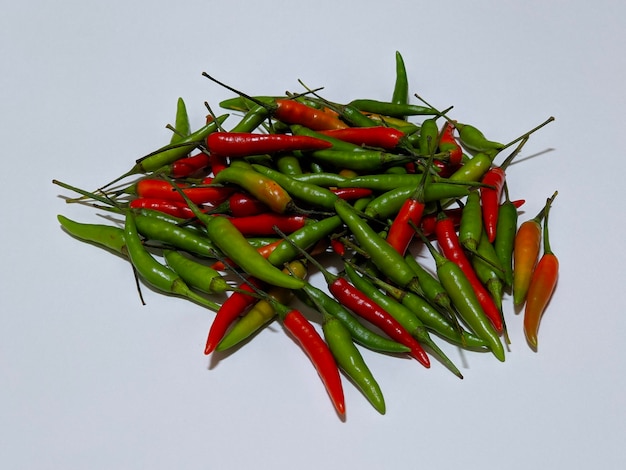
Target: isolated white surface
x: 89, y: 378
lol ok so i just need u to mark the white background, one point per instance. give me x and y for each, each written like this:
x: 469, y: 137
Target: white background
x: 89, y: 378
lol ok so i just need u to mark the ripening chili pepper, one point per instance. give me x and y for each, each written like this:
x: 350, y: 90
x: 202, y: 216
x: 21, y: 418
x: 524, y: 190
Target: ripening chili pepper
x: 262, y: 312
x: 160, y: 189
x: 107, y: 236
x: 260, y: 186
x: 351, y: 361
x: 244, y: 144
x: 541, y: 288
x: 234, y: 306
x: 407, y: 318
x: 526, y: 252
x: 471, y: 225
x: 448, y: 241
x: 401, y: 229
x: 154, y: 273
x: 315, y: 195
x: 195, y: 274
x: 291, y: 111
x: 464, y: 299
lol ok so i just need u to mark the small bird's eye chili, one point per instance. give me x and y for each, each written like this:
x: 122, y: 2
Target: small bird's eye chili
x: 300, y: 179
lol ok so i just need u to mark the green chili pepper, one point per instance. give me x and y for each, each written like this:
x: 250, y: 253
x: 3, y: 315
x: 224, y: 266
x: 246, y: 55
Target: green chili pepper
x: 183, y: 238
x: 429, y: 137
x: 253, y: 118
x: 471, y: 225
x: 182, y: 122
x: 195, y: 274
x: 400, y: 94
x: 474, y: 140
x: 473, y: 169
x: 323, y: 179
x: 364, y: 160
x: 402, y: 314
x: 464, y: 299
x: 383, y: 255
x: 505, y: 237
x: 154, y: 273
x: 235, y: 246
x: 289, y: 165
x: 389, y: 203
x: 107, y: 236
x: 392, y: 109
x: 305, y: 238
x: 351, y: 361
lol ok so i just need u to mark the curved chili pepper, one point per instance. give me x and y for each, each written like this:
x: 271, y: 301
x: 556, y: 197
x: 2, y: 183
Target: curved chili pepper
x: 319, y: 353
x: 541, y: 288
x: 244, y: 144
x: 289, y: 165
x: 473, y: 139
x: 260, y: 186
x: 107, y: 236
x: 452, y: 250
x: 400, y: 93
x: 154, y: 273
x: 350, y: 194
x: 234, y: 306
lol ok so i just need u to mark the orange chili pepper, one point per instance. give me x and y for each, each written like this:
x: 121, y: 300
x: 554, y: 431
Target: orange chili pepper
x: 526, y: 253
x: 541, y: 287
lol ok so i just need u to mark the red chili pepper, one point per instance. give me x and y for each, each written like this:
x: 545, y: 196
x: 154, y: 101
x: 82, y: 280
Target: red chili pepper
x: 409, y: 216
x: 355, y: 300
x: 241, y: 205
x: 233, y: 307
x: 264, y: 224
x: 350, y: 194
x: 173, y: 208
x: 449, y: 242
x: 244, y: 144
x: 338, y: 247
x: 318, y: 351
x: 189, y: 166
x: 218, y: 163
x: 161, y: 189
x: 387, y: 138
x: 490, y: 197
x: 448, y: 143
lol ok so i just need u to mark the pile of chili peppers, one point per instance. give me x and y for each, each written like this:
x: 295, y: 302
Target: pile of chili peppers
x: 237, y: 218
